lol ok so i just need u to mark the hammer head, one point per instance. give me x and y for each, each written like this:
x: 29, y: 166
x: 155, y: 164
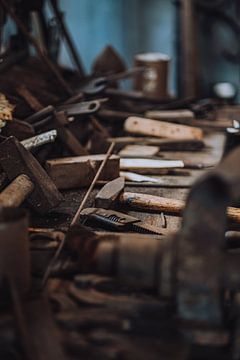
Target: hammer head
x: 16, y: 160
x: 110, y: 193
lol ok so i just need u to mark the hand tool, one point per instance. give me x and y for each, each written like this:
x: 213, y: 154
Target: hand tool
x: 133, y: 95
x: 20, y: 129
x: 113, y: 193
x: 30, y: 180
x: 171, y: 115
x: 117, y: 221
x: 67, y: 37
x: 165, y: 181
x: 81, y: 108
x: 201, y: 123
x: 127, y: 175
x: 164, y: 144
x: 143, y: 126
x: 154, y: 166
x: 39, y: 140
x: 38, y: 49
x: 75, y: 109
x: 66, y: 135
x: 59, y: 119
x: 31, y: 100
x: 134, y: 179
x: 97, y: 85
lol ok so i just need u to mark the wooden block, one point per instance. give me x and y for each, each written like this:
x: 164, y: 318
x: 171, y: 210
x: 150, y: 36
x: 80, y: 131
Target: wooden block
x: 15, y: 160
x: 79, y: 171
x: 148, y: 127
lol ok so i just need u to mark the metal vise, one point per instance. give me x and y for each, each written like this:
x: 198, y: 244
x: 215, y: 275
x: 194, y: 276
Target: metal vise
x: 195, y: 268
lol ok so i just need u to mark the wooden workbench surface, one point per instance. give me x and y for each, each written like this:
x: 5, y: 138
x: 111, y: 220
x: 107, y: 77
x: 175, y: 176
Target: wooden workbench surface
x: 102, y: 319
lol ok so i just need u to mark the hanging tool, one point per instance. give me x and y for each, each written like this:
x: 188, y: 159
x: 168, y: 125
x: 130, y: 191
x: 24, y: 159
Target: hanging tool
x: 52, y: 67
x: 97, y: 85
x: 67, y: 37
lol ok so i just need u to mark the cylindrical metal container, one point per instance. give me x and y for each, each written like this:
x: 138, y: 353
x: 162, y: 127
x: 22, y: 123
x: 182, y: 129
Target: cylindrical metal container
x: 154, y: 80
x: 14, y: 248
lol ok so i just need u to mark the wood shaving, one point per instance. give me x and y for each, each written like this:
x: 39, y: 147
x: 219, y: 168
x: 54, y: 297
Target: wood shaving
x: 6, y: 109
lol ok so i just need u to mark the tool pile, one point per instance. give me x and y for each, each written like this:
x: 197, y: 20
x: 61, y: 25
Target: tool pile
x: 95, y: 260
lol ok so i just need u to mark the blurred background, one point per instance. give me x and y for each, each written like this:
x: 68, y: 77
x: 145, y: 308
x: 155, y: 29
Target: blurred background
x: 136, y: 26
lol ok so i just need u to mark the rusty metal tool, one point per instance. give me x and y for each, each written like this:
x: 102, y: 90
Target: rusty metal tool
x: 29, y: 180
x: 67, y: 136
x: 113, y: 193
x: 39, y: 140
x: 97, y: 85
x: 42, y: 55
x: 81, y: 108
x: 45, y: 115
x: 118, y: 221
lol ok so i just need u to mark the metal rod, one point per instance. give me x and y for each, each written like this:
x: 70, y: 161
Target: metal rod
x: 108, y: 154
x: 77, y: 215
x: 38, y: 49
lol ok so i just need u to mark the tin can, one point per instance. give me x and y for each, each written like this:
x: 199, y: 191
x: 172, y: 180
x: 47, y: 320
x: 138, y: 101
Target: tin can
x: 153, y: 81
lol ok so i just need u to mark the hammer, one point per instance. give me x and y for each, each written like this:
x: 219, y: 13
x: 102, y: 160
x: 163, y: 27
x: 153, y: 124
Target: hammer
x: 28, y: 179
x: 114, y: 192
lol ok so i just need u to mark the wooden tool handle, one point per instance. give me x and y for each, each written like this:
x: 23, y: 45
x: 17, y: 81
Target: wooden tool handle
x: 162, y: 129
x: 162, y: 204
x: 17, y: 192
x: 233, y: 214
x: 151, y: 202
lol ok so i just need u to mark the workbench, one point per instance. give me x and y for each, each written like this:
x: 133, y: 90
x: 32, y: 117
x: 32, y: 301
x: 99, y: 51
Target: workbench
x: 100, y: 318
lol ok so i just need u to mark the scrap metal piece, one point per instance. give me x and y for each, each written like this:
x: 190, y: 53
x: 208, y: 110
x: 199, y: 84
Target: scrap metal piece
x: 81, y: 108
x: 39, y: 140
x: 118, y: 221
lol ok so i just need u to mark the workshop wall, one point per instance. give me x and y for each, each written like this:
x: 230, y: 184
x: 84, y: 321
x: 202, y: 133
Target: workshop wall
x: 134, y: 26
x: 131, y: 26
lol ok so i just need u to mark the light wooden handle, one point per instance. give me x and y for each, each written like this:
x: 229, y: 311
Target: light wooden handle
x: 151, y: 202
x: 17, y: 192
x: 162, y: 129
x: 162, y: 204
